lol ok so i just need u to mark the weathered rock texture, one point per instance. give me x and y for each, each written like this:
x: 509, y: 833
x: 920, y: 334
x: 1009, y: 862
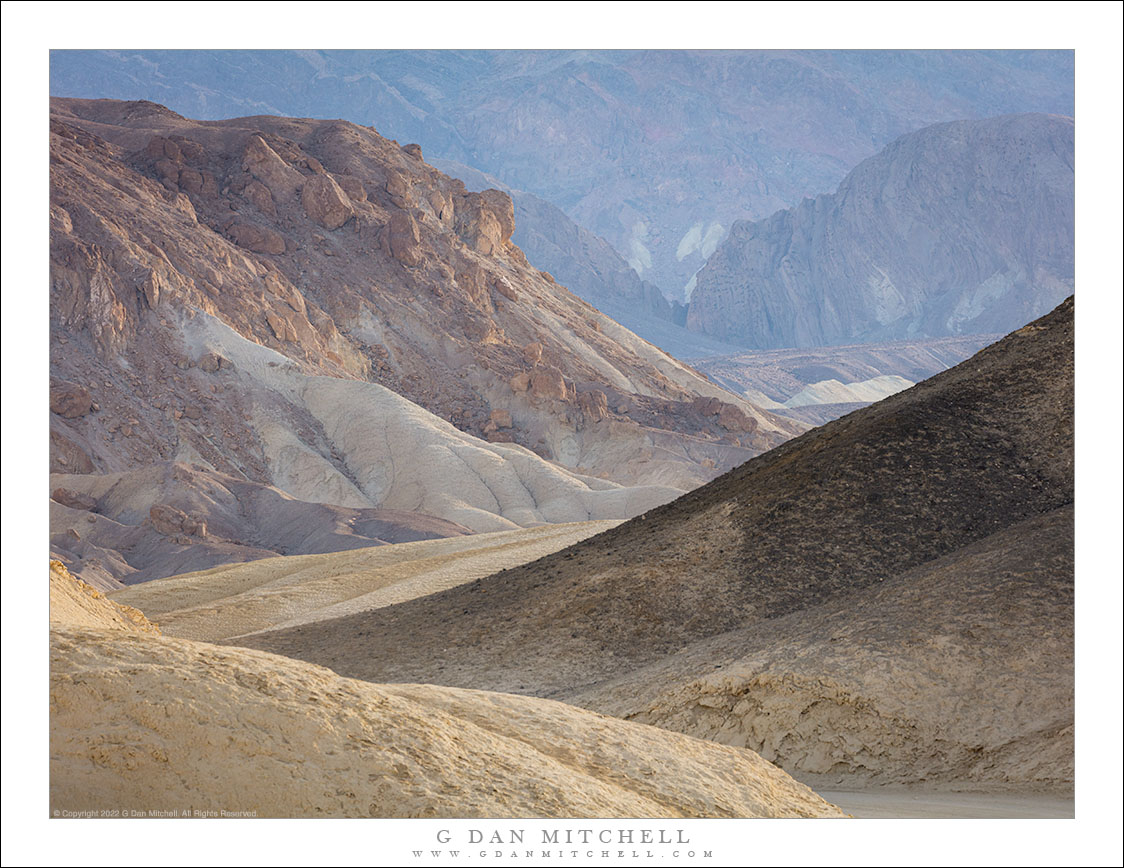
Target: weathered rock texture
x: 959, y: 228
x: 252, y: 296
x: 77, y: 604
x: 951, y: 495
x: 958, y: 672
x: 139, y: 720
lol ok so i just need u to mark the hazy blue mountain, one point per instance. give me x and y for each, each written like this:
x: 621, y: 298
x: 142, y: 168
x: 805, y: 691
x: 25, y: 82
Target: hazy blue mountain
x: 658, y: 152
x: 960, y: 228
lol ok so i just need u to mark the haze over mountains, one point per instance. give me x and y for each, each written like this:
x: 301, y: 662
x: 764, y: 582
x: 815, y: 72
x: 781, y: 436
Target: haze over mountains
x: 959, y: 228
x: 657, y: 152
x: 404, y: 502
x: 308, y: 306
x: 965, y: 478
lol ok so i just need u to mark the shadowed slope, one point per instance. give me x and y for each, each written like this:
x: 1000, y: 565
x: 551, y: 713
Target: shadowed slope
x: 964, y: 455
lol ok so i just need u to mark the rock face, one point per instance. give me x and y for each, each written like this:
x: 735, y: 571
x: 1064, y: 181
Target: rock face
x: 301, y: 251
x: 960, y: 228
x: 325, y: 201
x: 809, y: 568
x: 658, y: 152
x: 588, y: 265
x: 70, y: 400
x: 77, y: 604
x: 872, y: 687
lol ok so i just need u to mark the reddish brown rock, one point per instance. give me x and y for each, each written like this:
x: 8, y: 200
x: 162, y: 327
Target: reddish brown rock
x: 74, y: 499
x: 167, y: 171
x: 504, y: 289
x: 211, y: 362
x: 354, y: 188
x: 532, y: 353
x: 191, y: 180
x: 258, y: 195
x: 413, y: 150
x: 68, y: 457
x: 733, y: 419
x: 261, y: 161
x: 70, y: 400
x: 707, y: 406
x: 170, y: 521
x: 548, y: 383
x: 159, y: 148
x: 500, y: 418
x: 325, y: 202
x: 485, y: 221
x: 398, y: 188
x: 256, y: 238
x: 472, y: 281
x: 520, y: 382
x: 442, y: 205
x: 403, y: 238
x: 281, y: 326
x: 594, y: 405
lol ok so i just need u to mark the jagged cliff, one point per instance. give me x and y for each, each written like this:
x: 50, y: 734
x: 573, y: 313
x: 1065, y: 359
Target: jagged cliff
x: 959, y: 228
x: 309, y: 306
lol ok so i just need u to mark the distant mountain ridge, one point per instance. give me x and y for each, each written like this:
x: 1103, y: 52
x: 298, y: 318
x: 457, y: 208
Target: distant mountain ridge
x: 960, y: 228
x: 658, y: 152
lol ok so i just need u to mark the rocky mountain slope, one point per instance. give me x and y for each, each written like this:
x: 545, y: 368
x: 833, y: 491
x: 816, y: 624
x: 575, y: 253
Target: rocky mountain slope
x: 959, y: 228
x: 309, y: 306
x: 593, y: 270
x: 588, y: 265
x: 236, y: 730
x: 658, y: 152
x: 898, y: 504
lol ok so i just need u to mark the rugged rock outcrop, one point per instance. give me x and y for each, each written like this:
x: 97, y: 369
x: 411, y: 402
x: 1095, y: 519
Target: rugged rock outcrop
x: 178, y: 244
x: 959, y: 228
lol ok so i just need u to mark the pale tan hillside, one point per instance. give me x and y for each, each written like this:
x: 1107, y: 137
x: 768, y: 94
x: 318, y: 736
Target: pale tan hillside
x: 78, y: 604
x: 230, y: 601
x: 188, y: 724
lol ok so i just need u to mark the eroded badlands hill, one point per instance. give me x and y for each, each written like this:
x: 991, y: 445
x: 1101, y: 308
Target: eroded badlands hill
x: 980, y: 452
x: 309, y: 307
x: 354, y: 261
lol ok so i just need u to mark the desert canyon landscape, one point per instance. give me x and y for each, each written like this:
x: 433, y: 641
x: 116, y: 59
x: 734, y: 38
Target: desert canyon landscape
x: 562, y: 434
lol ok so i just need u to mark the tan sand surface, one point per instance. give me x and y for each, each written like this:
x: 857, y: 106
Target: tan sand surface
x: 182, y: 723
x: 239, y: 599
